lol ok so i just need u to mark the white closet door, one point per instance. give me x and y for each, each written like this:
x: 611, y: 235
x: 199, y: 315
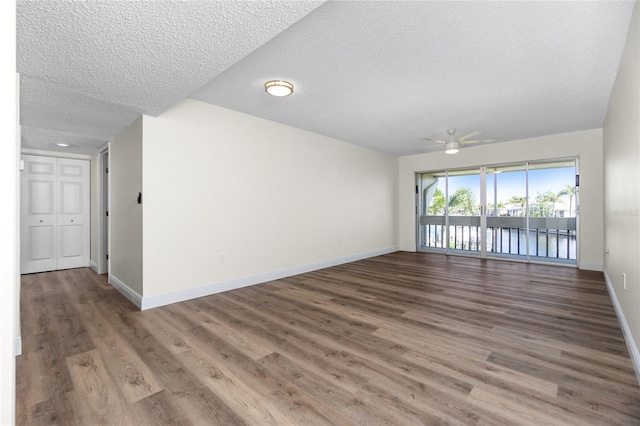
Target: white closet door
x: 73, y: 213
x: 38, y: 215
x: 55, y: 229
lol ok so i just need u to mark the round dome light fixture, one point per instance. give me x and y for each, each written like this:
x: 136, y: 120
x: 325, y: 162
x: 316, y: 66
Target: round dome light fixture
x: 278, y: 88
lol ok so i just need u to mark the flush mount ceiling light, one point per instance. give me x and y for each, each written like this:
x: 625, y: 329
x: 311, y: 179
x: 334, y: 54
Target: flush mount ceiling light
x: 278, y: 88
x: 63, y: 144
x: 451, y: 147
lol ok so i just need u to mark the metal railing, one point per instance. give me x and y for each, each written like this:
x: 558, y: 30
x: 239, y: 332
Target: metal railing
x: 549, y: 238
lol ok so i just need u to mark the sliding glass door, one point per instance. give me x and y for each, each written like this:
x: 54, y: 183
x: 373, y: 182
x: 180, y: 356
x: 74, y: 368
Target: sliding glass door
x: 553, y: 210
x: 464, y: 201
x: 507, y: 211
x: 525, y: 211
x: 432, y: 211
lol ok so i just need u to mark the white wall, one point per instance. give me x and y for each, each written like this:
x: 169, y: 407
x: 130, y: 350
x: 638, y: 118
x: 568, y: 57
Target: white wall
x: 622, y: 188
x: 9, y: 213
x: 265, y: 196
x: 125, y: 213
x: 586, y: 144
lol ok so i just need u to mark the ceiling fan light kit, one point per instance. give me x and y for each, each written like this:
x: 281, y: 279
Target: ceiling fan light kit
x: 452, y: 146
x: 278, y: 88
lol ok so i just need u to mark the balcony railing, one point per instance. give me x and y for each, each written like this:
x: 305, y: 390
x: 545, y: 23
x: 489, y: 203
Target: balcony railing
x: 550, y: 238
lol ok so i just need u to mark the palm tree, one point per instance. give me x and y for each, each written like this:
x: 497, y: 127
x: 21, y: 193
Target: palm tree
x: 570, y: 191
x: 546, y: 203
x: 495, y: 208
x: 519, y: 201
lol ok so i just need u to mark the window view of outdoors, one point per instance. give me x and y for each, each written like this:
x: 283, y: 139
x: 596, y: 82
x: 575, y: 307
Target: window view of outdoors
x: 542, y: 225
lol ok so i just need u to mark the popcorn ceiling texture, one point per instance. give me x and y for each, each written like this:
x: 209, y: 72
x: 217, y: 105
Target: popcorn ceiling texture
x: 378, y: 74
x: 91, y: 68
x: 387, y: 74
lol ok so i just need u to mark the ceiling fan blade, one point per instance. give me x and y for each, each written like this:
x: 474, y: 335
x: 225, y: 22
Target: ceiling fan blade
x: 469, y: 135
x: 476, y: 141
x: 433, y: 140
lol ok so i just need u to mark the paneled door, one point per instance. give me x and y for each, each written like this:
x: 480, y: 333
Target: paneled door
x: 55, y: 228
x: 38, y: 215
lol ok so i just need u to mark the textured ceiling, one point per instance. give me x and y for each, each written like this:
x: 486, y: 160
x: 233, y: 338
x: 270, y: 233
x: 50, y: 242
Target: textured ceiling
x: 378, y: 74
x: 387, y: 74
x: 90, y: 68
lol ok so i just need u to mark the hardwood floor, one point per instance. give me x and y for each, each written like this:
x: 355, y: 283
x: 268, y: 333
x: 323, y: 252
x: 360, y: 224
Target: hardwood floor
x: 405, y: 338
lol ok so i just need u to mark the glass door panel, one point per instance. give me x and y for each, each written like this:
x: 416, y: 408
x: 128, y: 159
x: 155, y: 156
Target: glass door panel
x: 464, y: 208
x: 552, y: 212
x: 432, y: 211
x: 507, y: 211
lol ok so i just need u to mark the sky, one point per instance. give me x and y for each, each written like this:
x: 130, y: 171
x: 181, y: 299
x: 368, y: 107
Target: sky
x: 513, y: 183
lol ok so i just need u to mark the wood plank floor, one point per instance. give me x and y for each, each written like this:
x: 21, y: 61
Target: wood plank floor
x: 405, y: 338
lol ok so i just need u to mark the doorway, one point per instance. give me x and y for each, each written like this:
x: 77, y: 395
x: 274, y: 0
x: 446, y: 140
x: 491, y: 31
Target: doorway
x: 103, y: 209
x: 55, y: 214
x: 522, y: 211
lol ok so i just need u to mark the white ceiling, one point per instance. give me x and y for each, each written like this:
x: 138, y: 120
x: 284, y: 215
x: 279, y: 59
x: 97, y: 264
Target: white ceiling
x: 377, y: 74
x: 90, y: 68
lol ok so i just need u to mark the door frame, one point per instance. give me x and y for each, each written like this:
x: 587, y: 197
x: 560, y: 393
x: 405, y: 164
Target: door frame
x: 58, y: 160
x: 103, y: 184
x: 483, y: 206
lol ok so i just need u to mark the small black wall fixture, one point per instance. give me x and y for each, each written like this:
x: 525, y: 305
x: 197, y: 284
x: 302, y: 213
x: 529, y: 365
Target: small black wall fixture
x: 139, y: 197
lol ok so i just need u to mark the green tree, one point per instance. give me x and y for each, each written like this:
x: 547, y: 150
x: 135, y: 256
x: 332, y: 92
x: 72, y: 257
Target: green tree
x: 438, y: 204
x: 462, y: 202
x: 545, y: 204
x: 495, y: 208
x: 569, y: 191
x: 518, y: 201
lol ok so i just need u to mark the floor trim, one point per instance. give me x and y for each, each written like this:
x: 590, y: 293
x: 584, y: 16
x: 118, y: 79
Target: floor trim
x: 634, y: 354
x: 181, y: 296
x: 126, y: 291
x: 591, y: 266
x: 17, y: 346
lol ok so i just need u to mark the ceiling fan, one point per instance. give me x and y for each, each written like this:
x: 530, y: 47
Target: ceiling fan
x: 452, y: 146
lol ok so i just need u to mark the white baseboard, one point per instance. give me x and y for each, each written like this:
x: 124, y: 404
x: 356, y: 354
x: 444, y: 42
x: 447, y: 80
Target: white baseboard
x: 126, y: 291
x: 180, y: 296
x: 408, y: 248
x: 17, y: 346
x: 628, y: 337
x: 591, y: 266
x: 93, y: 265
